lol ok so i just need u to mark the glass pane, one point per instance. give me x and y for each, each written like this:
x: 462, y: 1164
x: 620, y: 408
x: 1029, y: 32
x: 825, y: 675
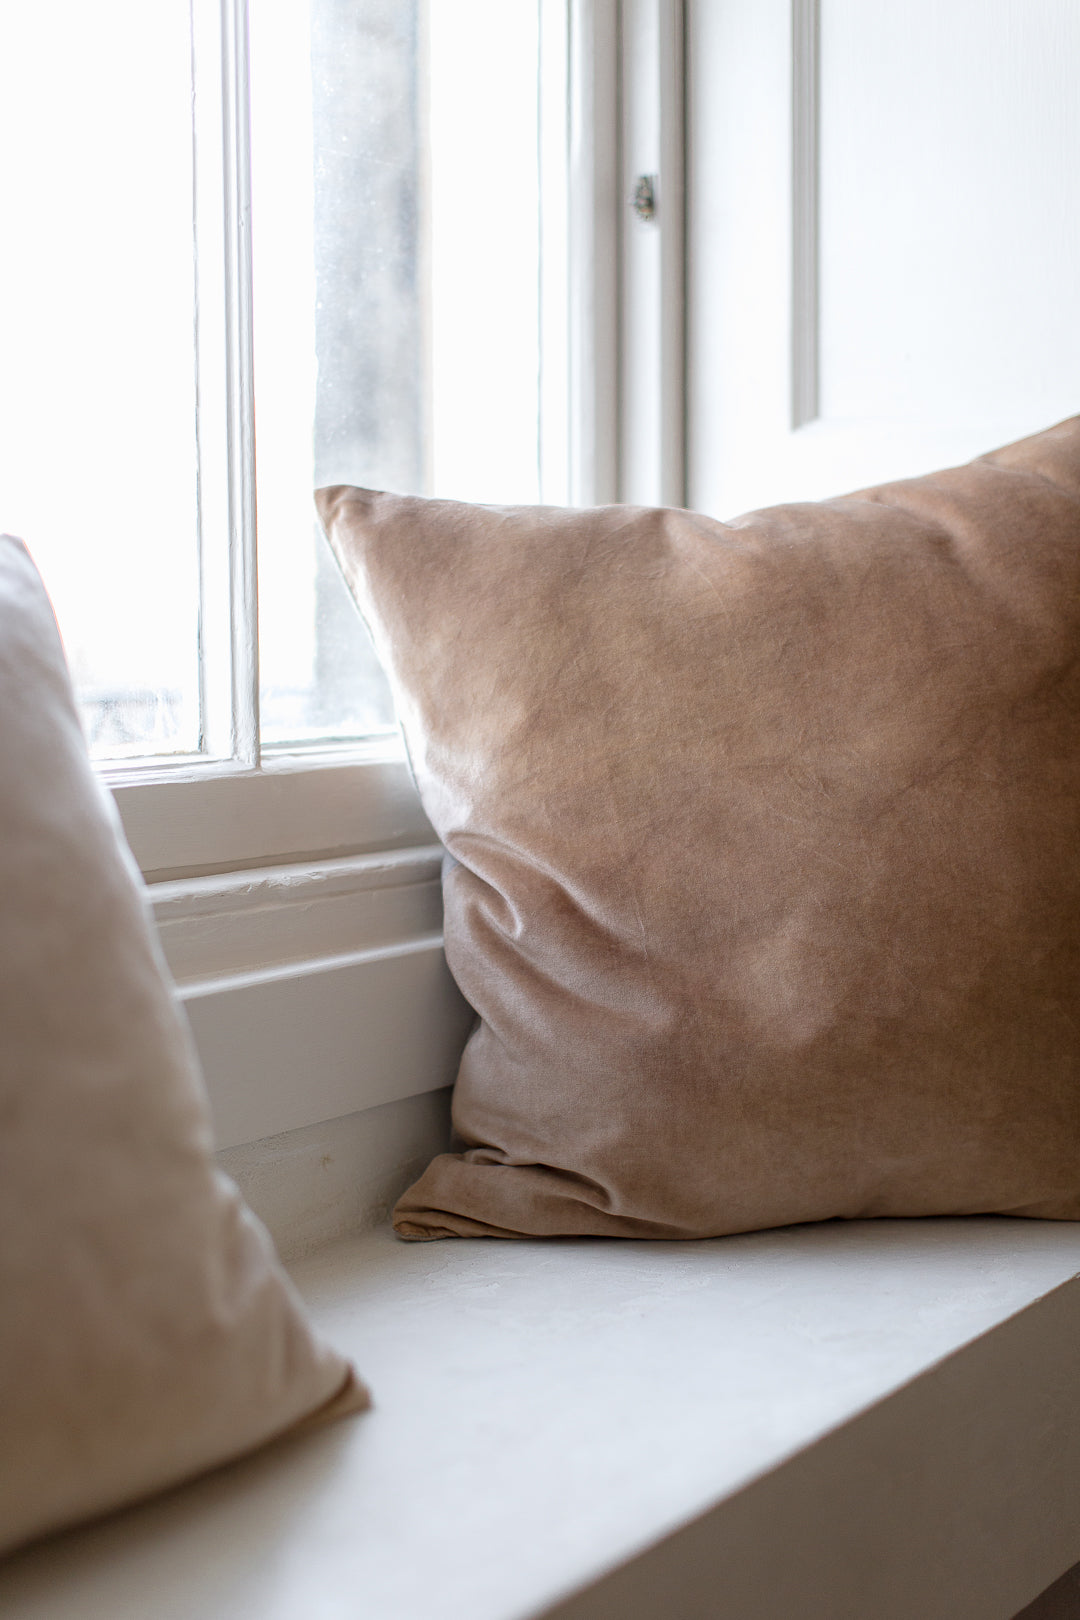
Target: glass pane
x: 395, y: 217
x: 97, y: 409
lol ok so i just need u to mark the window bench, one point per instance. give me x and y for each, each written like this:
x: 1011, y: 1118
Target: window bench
x: 865, y: 1421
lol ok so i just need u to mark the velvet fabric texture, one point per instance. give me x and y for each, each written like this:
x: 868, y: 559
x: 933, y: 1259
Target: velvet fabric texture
x: 147, y: 1331
x: 764, y: 845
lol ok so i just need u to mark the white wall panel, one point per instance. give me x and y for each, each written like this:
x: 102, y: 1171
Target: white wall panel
x: 883, y: 238
x: 950, y: 231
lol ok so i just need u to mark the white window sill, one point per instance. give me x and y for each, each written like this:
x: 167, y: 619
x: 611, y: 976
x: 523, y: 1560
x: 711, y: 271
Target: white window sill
x: 192, y: 818
x: 869, y: 1421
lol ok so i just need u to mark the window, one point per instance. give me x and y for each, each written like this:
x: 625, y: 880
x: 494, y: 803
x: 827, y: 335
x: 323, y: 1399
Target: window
x: 99, y: 469
x: 252, y: 248
x: 254, y: 245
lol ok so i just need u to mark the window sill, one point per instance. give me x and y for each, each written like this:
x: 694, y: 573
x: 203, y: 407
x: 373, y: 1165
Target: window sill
x: 834, y: 1422
x: 193, y: 820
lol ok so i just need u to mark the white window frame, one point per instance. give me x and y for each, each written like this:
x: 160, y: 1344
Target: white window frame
x: 611, y: 421
x: 299, y: 892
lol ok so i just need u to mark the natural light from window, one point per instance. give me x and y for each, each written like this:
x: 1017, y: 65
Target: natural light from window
x: 395, y: 242
x: 97, y: 409
x: 395, y: 208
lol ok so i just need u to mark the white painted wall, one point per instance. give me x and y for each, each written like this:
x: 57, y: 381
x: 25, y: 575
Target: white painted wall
x: 907, y: 215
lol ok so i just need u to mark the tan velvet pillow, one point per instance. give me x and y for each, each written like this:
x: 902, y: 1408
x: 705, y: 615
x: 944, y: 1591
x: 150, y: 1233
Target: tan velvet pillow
x: 765, y: 845
x: 146, y: 1329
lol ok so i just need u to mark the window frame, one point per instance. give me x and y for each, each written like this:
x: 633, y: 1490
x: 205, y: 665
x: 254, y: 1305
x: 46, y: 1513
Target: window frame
x: 609, y: 346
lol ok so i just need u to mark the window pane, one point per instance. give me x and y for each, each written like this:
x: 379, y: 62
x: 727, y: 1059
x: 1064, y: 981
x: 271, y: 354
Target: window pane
x: 97, y: 409
x: 395, y: 218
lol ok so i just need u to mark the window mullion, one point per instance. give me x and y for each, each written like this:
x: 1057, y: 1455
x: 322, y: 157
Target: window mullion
x: 553, y: 150
x: 243, y: 575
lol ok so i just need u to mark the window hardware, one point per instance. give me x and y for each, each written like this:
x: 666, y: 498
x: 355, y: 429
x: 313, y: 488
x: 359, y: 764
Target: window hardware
x: 643, y: 201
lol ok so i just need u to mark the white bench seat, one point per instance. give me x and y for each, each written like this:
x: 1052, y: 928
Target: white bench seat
x: 864, y: 1421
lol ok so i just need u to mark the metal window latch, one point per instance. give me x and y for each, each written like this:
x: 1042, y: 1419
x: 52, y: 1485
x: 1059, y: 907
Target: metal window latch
x: 643, y: 201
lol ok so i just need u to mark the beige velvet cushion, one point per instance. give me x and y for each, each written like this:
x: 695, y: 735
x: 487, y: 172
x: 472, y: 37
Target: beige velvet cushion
x: 765, y: 845
x: 146, y: 1329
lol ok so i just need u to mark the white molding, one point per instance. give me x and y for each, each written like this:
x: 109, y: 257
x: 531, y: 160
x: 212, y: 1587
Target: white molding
x: 212, y: 412
x: 240, y: 385
x: 641, y: 405
x: 805, y: 212
x: 218, y: 819
x: 241, y: 922
x: 652, y: 262
x: 340, y: 1176
x: 672, y: 72
x: 292, y: 1045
